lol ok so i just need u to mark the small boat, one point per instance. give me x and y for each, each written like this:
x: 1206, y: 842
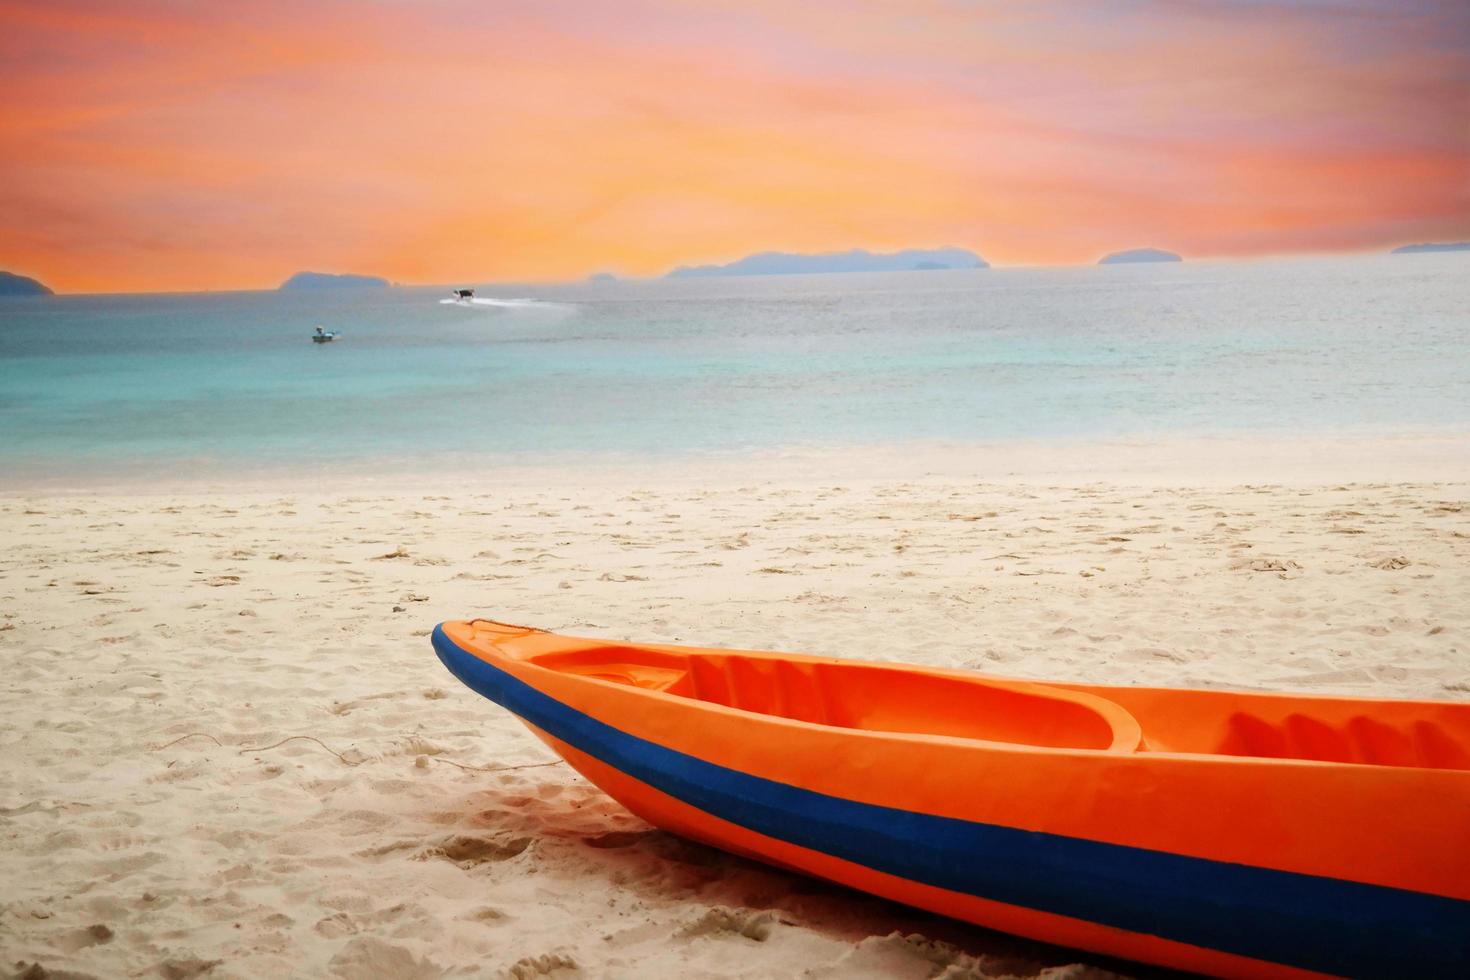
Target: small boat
x: 463, y: 295
x: 323, y: 336
x: 1223, y: 832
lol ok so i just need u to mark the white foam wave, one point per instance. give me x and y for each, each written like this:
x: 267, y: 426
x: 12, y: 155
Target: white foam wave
x: 523, y: 303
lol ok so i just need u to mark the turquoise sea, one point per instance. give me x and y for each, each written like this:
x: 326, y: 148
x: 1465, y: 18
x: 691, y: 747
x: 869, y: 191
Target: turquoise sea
x: 208, y: 384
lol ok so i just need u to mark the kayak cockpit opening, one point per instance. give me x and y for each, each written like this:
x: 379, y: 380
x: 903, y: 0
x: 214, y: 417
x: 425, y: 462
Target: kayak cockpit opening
x: 865, y: 696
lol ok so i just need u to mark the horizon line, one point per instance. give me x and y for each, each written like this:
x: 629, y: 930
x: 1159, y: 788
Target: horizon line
x: 582, y: 278
x: 620, y: 277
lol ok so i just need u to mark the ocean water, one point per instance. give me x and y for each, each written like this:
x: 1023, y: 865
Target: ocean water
x: 215, y: 383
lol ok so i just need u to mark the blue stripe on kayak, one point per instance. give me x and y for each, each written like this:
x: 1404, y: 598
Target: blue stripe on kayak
x: 1314, y: 923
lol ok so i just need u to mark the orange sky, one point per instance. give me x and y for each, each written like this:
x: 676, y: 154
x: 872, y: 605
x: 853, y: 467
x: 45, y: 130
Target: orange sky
x: 177, y: 145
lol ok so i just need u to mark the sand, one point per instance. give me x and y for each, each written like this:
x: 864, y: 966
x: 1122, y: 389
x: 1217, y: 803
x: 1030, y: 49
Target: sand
x: 228, y: 749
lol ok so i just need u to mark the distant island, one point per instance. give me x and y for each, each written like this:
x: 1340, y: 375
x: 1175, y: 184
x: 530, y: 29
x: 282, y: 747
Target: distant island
x: 327, y: 280
x: 1432, y: 247
x: 857, y: 260
x: 1139, y: 255
x: 14, y: 285
x: 602, y: 277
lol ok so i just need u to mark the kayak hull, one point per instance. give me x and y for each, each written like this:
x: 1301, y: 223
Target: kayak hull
x: 1230, y: 865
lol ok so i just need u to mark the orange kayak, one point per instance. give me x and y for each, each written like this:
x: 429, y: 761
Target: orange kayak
x: 1230, y: 833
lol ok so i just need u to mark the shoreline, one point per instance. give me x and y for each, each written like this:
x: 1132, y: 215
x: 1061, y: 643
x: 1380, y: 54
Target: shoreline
x: 1202, y: 460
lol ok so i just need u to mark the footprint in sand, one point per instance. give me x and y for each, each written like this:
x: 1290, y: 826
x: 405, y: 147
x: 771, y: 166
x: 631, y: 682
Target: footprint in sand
x: 618, y: 838
x: 366, y: 958
x: 335, y: 926
x: 468, y: 851
x: 485, y: 914
x: 750, y: 923
x: 545, y: 965
x: 93, y: 935
x: 185, y: 967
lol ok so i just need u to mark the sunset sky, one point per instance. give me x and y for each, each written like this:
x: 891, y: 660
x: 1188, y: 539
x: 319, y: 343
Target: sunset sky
x: 181, y: 146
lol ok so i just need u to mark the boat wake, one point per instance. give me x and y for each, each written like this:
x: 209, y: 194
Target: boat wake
x: 493, y: 302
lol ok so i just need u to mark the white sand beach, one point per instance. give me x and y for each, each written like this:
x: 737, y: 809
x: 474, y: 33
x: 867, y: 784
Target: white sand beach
x: 230, y: 751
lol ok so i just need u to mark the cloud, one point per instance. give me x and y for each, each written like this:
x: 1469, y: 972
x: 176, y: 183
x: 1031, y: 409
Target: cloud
x: 160, y: 145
